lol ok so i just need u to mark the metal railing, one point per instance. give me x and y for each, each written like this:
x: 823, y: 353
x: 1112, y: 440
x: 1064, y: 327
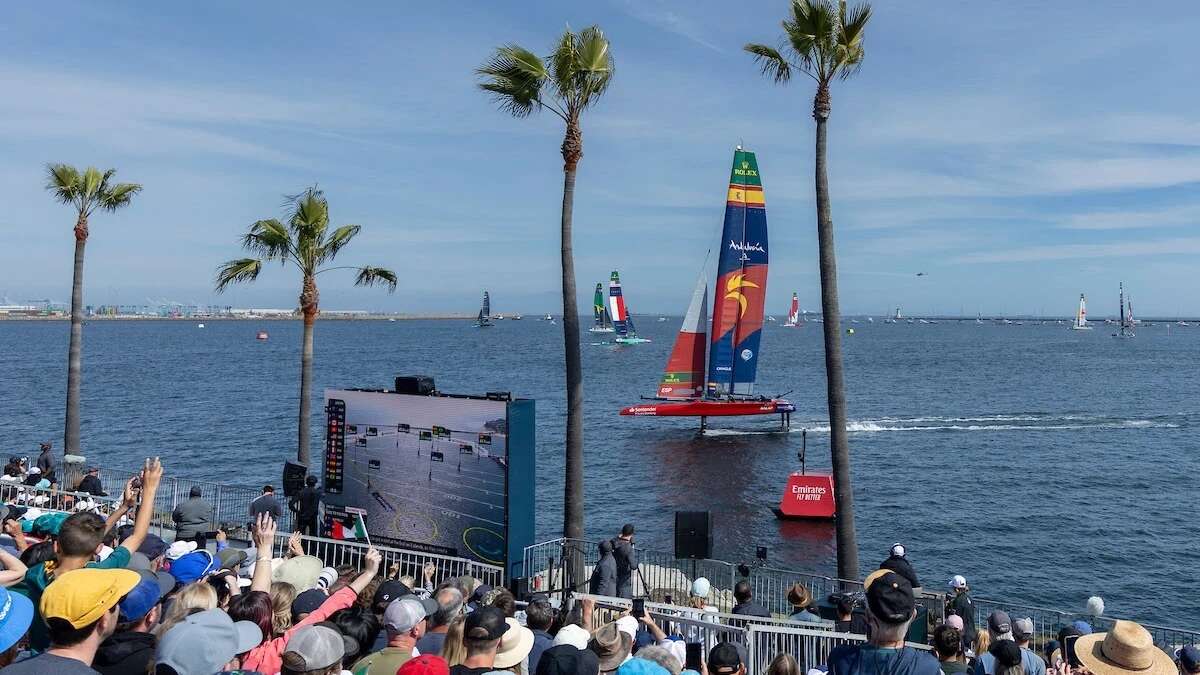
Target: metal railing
x: 662, y: 574
x: 810, y: 647
x: 396, y: 562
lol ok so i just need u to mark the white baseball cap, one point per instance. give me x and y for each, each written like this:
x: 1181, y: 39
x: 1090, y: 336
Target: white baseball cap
x: 898, y: 549
x: 628, y: 624
x: 701, y: 587
x: 572, y: 634
x: 958, y: 581
x: 178, y: 549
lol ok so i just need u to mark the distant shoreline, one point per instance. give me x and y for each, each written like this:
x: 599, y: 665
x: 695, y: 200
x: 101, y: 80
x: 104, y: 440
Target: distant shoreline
x: 202, y: 319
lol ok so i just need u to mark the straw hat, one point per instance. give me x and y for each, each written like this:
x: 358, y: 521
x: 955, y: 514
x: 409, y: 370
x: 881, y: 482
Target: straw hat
x: 515, y: 645
x: 1126, y: 649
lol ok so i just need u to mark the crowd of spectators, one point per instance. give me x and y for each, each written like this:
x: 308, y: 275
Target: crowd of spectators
x: 85, y: 593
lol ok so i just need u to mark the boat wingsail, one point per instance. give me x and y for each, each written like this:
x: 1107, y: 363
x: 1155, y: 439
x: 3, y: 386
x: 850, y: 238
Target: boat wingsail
x: 793, y: 319
x: 484, y: 320
x: 737, y: 319
x: 621, y: 319
x: 1081, y: 316
x: 600, y: 321
x: 1126, y: 316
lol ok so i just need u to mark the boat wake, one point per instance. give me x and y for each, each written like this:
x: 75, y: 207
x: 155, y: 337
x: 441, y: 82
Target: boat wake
x: 1024, y: 422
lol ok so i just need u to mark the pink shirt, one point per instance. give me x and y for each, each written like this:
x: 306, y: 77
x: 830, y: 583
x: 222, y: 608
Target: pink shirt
x: 267, y: 658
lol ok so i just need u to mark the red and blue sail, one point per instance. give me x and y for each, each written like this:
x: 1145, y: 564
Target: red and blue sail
x: 741, y: 288
x: 616, y: 306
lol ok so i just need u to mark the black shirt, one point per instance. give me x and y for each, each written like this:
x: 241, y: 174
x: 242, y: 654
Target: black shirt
x: 748, y: 608
x: 463, y: 670
x: 91, y: 485
x: 306, y: 502
x: 266, y: 504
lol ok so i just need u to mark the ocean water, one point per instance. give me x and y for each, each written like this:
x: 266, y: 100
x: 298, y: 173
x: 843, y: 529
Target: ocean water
x: 1043, y: 464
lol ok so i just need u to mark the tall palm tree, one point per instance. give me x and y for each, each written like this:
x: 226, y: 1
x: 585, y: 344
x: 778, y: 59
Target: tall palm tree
x: 85, y: 191
x: 306, y: 242
x: 567, y: 82
x: 824, y: 40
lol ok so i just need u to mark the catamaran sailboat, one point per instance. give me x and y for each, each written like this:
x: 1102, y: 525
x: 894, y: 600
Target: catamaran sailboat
x: 1081, y: 316
x: 1126, y: 330
x: 484, y: 320
x: 621, y: 318
x: 600, y: 321
x: 737, y: 320
x: 793, y: 319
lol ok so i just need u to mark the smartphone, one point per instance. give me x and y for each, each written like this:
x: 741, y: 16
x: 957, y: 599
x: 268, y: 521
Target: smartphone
x: 1068, y: 650
x: 694, y: 656
x: 639, y: 608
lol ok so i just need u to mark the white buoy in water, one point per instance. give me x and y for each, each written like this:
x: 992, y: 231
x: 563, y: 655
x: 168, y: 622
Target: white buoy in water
x: 199, y: 325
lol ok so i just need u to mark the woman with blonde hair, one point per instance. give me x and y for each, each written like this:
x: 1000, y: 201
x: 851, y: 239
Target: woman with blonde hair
x: 453, y: 649
x: 784, y: 664
x: 283, y: 595
x: 196, y: 596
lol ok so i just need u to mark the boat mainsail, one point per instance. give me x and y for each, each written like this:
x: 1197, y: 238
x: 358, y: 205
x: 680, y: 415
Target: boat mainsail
x: 1126, y: 316
x: 741, y: 283
x: 1081, y: 315
x: 616, y: 305
x: 484, y: 320
x: 683, y: 378
x: 793, y: 313
x: 600, y: 321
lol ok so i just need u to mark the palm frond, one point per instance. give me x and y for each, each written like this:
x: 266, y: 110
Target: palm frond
x: 853, y: 23
x: 63, y: 181
x: 811, y: 33
x: 514, y: 76
x: 308, y: 221
x: 595, y: 65
x: 371, y: 276
x: 121, y: 194
x: 237, y: 271
x: 563, y: 61
x: 269, y: 239
x: 340, y: 237
x: 771, y: 61
x: 92, y: 178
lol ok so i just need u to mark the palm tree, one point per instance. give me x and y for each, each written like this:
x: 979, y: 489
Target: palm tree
x: 825, y: 41
x: 306, y: 242
x: 569, y: 81
x: 84, y: 191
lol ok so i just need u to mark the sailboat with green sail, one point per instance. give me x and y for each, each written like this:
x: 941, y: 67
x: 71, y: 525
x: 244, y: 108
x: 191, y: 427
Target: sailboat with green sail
x: 601, y: 323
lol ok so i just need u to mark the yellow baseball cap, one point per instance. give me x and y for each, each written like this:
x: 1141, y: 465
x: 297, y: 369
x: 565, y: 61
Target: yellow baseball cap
x: 81, y: 597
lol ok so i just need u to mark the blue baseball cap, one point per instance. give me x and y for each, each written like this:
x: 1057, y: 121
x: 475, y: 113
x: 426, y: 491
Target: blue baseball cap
x: 138, y: 602
x: 1083, y: 627
x: 1189, y: 659
x: 152, y: 546
x: 193, y: 566
x: 16, y: 613
x: 636, y: 666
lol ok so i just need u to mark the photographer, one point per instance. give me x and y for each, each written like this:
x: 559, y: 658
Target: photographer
x: 626, y: 559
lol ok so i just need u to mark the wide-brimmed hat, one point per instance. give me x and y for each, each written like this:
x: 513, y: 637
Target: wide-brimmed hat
x: 1126, y: 649
x: 799, y: 596
x: 301, y: 571
x: 611, y: 645
x: 515, y: 645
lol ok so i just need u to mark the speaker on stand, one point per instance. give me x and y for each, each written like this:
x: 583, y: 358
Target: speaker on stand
x: 293, y: 478
x: 693, y: 537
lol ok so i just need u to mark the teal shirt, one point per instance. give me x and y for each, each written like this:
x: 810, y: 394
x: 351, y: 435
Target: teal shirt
x: 37, y: 579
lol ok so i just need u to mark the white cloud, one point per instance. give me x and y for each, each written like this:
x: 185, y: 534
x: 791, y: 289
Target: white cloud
x: 1133, y: 219
x: 655, y: 13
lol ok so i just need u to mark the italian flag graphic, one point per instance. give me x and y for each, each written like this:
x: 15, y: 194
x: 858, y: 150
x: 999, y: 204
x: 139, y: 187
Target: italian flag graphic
x: 356, y: 529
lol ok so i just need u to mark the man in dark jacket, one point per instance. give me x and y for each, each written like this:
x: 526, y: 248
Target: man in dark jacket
x: 265, y: 503
x: 130, y: 650
x: 45, y: 460
x: 305, y: 506
x: 744, y: 594
x: 626, y: 559
x: 898, y: 563
x: 192, y: 518
x: 604, y: 576
x: 962, y: 605
x: 91, y: 483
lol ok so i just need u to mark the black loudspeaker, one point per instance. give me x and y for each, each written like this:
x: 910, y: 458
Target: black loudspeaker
x: 293, y: 478
x: 419, y: 385
x: 693, y: 535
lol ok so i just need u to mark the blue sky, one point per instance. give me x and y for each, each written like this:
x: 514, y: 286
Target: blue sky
x: 1018, y: 153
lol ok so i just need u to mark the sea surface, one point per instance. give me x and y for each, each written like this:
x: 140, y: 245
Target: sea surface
x: 1043, y: 464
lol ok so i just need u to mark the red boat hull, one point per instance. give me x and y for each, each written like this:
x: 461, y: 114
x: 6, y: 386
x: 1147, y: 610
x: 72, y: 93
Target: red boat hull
x: 708, y: 408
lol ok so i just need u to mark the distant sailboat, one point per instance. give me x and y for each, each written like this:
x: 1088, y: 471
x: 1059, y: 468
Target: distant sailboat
x: 1126, y: 330
x: 621, y: 318
x: 484, y: 320
x: 601, y: 323
x: 516, y: 317
x: 793, y: 318
x: 1081, y: 315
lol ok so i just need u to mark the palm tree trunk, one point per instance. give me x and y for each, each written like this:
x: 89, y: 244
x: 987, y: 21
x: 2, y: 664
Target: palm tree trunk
x: 847, y: 545
x: 573, y: 484
x: 308, y: 306
x: 75, y: 350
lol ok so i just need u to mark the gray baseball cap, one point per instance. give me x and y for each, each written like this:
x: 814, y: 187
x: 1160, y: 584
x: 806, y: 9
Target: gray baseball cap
x: 403, y: 614
x: 313, y: 648
x: 222, y: 637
